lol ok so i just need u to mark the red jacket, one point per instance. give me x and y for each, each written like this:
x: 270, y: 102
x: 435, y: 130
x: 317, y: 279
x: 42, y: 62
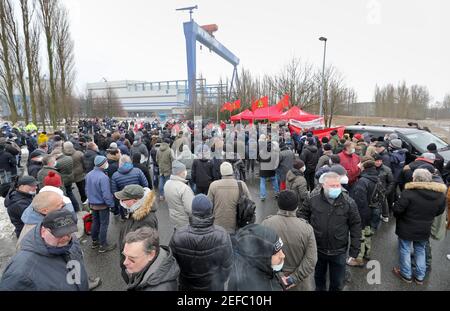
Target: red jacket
x: 350, y: 163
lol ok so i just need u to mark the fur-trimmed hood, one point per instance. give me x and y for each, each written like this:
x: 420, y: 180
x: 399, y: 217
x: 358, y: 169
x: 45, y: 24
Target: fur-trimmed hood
x: 432, y: 186
x: 146, y: 207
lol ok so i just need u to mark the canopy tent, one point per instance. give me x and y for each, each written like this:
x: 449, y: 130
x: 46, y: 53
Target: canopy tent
x: 266, y: 113
x: 294, y: 113
x: 244, y: 115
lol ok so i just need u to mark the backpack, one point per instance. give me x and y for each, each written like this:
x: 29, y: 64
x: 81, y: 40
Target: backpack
x: 378, y: 195
x: 245, y: 209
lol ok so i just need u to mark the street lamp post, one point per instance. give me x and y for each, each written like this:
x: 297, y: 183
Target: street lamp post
x: 323, y: 74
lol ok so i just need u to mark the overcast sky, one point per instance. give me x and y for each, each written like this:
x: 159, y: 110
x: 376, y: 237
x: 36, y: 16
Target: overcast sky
x: 369, y: 41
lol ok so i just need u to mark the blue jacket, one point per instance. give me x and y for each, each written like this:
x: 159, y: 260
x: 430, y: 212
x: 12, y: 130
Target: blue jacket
x: 127, y: 175
x: 98, y: 188
x: 31, y: 217
x: 123, y: 148
x: 33, y: 268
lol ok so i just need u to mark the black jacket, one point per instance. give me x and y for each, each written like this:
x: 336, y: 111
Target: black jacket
x: 253, y: 247
x: 362, y: 192
x: 332, y: 223
x: 8, y: 162
x: 204, y: 253
x: 16, y: 202
x: 88, y: 159
x: 416, y: 209
x: 386, y: 158
x: 438, y: 162
x: 310, y: 155
x: 34, y: 167
x: 146, y: 172
x: 202, y: 172
x: 387, y: 178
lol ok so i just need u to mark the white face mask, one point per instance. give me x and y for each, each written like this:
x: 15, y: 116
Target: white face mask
x: 32, y: 192
x: 106, y: 166
x: 303, y: 169
x: 277, y: 268
x: 123, y: 205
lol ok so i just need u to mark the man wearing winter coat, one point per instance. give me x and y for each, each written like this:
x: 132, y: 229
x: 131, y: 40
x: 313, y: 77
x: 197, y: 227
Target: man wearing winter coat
x: 17, y: 201
x: 420, y: 202
x: 224, y: 195
x: 139, y: 203
x: 164, y: 159
x: 64, y: 165
x: 258, y: 260
x: 48, y: 163
x: 334, y: 217
x: 300, y: 247
x: 78, y: 167
x: 362, y: 193
x: 268, y: 157
x: 350, y: 160
x: 202, y: 171
x: 310, y: 155
x: 149, y: 265
x: 44, y: 261
x: 179, y: 195
x: 287, y: 158
x: 388, y: 181
x: 296, y: 181
x: 8, y: 162
x: 139, y: 147
x: 203, y: 250
x: 89, y: 156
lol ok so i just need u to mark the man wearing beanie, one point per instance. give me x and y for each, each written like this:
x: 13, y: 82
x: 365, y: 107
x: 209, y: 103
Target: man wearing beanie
x: 364, y: 193
x: 300, y: 244
x: 203, y: 250
x: 224, y: 195
x: 178, y: 195
x: 439, y: 160
x: 98, y: 191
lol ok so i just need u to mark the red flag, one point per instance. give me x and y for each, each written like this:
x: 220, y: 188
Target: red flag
x: 226, y: 106
x: 237, y: 104
x: 263, y: 102
x: 284, y: 102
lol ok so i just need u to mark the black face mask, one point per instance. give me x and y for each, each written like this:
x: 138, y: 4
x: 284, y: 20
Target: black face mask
x: 58, y: 251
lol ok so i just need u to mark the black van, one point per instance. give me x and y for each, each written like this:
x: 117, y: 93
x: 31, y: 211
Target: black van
x: 414, y: 139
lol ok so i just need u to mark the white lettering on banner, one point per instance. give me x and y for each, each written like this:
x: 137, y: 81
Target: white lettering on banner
x: 74, y: 274
x: 374, y: 275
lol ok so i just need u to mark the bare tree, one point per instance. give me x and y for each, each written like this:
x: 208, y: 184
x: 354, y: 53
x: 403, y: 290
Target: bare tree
x: 27, y: 18
x: 48, y: 17
x: 17, y: 47
x: 7, y: 69
x: 64, y: 59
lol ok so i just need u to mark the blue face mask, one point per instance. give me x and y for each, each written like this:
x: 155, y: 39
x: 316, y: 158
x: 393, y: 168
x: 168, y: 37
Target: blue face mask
x: 333, y: 193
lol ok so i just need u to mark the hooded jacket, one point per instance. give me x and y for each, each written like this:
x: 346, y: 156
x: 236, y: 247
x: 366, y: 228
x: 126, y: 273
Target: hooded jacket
x: 78, y: 164
x: 310, y: 155
x: 144, y: 216
x: 164, y: 158
x: 287, y: 157
x: 113, y: 163
x: 16, y: 202
x: 187, y: 158
x: 204, y: 253
x: 295, y: 181
x: 64, y: 165
x: 362, y: 192
x: 33, y: 268
x: 416, y: 209
x: 139, y: 147
x: 253, y: 247
x: 127, y: 175
x: 161, y: 275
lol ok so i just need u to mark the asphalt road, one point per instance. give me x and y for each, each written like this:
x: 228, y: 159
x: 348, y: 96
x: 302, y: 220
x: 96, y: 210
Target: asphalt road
x: 384, y: 250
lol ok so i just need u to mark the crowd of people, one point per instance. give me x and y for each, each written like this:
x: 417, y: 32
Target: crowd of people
x: 332, y: 195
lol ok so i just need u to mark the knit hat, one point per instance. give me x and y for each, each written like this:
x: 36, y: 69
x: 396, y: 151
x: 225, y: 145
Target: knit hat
x: 53, y: 179
x: 99, y: 160
x: 338, y: 169
x: 429, y: 157
x: 396, y: 143
x: 68, y: 146
x: 226, y: 169
x: 178, y: 167
x: 201, y: 206
x: 287, y: 200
